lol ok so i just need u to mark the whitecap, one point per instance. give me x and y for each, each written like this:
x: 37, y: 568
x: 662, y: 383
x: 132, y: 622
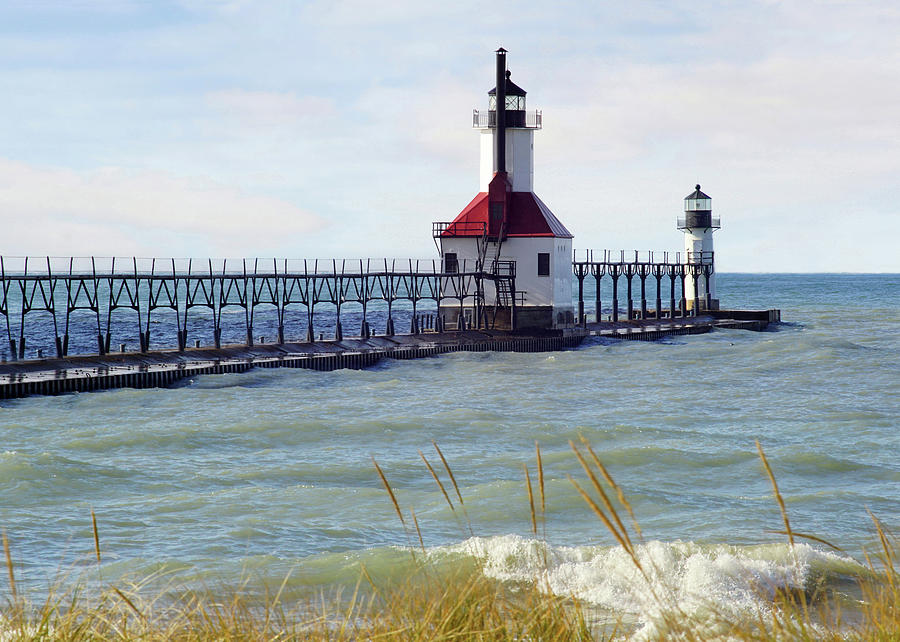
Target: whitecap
x: 691, y: 579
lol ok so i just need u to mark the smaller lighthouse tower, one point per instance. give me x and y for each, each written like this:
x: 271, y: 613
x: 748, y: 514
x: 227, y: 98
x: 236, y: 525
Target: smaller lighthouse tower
x: 698, y: 226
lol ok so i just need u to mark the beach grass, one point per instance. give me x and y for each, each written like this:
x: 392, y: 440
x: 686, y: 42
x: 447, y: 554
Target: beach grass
x: 459, y: 602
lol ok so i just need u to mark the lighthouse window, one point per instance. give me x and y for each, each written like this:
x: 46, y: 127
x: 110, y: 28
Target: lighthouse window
x: 543, y: 264
x: 496, y: 210
x: 451, y: 264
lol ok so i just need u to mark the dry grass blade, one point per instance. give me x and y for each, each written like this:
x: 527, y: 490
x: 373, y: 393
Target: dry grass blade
x: 449, y: 472
x: 455, y: 487
x: 621, y: 534
x: 530, y: 499
x: 812, y: 538
x: 390, y: 491
x: 275, y: 602
x: 365, y: 573
x: 437, y: 480
x: 609, y: 480
x: 96, y: 535
x: 348, y: 616
x: 778, y: 497
x: 418, y: 531
x: 886, y: 548
x: 9, y: 566
x: 129, y: 603
x: 883, y: 538
x: 281, y: 588
x: 615, y: 533
x: 540, y: 468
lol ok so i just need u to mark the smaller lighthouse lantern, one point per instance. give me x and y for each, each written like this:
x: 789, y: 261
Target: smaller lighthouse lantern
x: 698, y: 226
x: 698, y: 202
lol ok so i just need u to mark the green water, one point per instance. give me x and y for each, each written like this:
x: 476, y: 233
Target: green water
x: 271, y: 472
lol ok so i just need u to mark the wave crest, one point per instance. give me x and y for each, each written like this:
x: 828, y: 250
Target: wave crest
x: 690, y: 579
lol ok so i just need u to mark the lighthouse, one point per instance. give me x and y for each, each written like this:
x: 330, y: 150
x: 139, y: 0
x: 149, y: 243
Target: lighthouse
x: 506, y: 232
x: 698, y: 226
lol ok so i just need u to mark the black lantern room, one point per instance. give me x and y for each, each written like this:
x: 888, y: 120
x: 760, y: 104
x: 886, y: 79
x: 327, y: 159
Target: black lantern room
x: 697, y: 209
x: 515, y: 104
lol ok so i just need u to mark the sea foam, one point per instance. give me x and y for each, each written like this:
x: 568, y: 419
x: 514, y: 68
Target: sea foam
x: 685, y: 578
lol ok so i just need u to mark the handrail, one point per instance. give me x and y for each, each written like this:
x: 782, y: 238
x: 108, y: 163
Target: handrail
x: 514, y: 119
x: 638, y: 257
x: 715, y: 223
x: 458, y: 228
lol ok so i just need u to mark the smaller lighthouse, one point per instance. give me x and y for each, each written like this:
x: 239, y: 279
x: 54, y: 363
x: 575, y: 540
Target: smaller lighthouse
x: 698, y: 226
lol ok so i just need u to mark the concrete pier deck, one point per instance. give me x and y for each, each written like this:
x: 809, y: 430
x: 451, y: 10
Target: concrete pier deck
x: 164, y: 367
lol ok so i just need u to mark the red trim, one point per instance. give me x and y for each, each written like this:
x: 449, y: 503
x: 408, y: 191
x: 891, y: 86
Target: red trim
x: 472, y: 220
x: 526, y: 216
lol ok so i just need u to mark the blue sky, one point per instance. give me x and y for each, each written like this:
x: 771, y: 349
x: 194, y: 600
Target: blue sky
x: 320, y: 129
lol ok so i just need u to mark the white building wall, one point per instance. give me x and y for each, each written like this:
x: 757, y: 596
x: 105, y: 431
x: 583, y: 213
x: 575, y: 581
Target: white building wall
x: 464, y: 248
x: 520, y: 147
x: 552, y: 290
x: 562, y: 276
x: 519, y: 159
x: 487, y: 165
x: 696, y: 241
x: 538, y: 289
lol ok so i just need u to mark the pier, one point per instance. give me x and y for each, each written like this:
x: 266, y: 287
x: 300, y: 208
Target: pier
x: 163, y: 368
x: 74, y: 307
x: 97, y: 303
x: 169, y: 318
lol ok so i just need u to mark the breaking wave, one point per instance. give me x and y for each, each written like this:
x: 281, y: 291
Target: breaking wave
x: 687, y: 578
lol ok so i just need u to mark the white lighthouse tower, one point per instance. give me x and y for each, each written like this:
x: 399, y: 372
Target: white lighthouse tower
x: 698, y: 225
x: 506, y: 229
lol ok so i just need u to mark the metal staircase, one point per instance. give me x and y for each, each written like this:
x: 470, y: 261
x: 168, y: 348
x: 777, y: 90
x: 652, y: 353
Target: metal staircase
x: 503, y: 274
x: 503, y: 294
x: 482, y: 244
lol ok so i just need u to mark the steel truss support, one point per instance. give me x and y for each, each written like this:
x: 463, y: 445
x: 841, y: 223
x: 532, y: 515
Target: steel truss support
x: 658, y: 265
x: 31, y: 290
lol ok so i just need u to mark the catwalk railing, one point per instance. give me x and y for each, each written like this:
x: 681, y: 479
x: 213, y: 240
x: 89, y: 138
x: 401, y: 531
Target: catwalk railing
x: 51, y: 300
x: 674, y: 267
x: 88, y: 305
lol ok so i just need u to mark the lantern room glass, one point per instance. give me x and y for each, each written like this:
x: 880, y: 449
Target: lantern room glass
x: 697, y: 204
x: 513, y: 103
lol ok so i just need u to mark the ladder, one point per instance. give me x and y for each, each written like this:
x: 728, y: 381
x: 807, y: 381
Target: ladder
x: 501, y: 285
x: 482, y: 244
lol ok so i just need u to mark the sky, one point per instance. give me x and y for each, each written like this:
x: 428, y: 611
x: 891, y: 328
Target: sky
x: 342, y: 129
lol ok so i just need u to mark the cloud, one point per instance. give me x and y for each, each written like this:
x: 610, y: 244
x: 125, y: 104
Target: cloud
x: 785, y: 112
x: 50, y: 210
x: 270, y: 108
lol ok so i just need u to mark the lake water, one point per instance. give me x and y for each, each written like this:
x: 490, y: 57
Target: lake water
x: 269, y: 472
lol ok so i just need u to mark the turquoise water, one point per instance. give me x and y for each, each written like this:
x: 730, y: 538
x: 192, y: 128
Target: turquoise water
x: 261, y: 473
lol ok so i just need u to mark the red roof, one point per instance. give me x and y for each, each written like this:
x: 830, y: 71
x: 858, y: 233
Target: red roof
x: 527, y: 216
